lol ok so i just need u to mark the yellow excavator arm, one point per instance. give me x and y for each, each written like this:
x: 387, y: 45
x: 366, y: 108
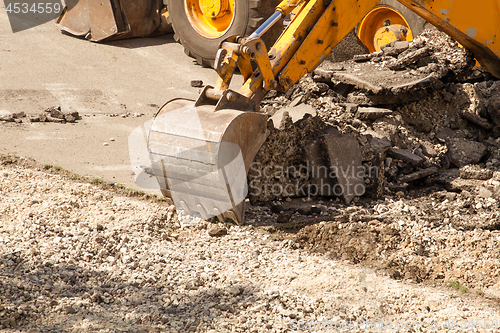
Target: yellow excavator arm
x: 320, y: 25
x: 201, y: 152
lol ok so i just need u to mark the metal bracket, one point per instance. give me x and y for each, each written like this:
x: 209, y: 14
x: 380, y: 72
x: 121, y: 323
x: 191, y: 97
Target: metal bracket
x: 230, y: 99
x: 255, y: 49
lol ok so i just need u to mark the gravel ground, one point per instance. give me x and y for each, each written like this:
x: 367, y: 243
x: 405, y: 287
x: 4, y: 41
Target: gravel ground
x: 75, y: 257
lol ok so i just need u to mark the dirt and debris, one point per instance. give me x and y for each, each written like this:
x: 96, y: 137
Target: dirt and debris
x: 80, y: 257
x: 431, y: 121
x: 52, y: 114
x: 427, y: 126
x: 426, y: 137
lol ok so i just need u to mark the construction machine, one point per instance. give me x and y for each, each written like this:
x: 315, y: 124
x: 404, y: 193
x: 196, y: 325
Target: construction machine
x: 199, y: 25
x: 202, y: 25
x: 201, y: 151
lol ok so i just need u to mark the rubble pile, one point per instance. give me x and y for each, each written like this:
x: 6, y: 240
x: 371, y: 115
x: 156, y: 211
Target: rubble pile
x: 52, y: 114
x: 413, y: 115
x: 76, y: 257
x: 411, y: 137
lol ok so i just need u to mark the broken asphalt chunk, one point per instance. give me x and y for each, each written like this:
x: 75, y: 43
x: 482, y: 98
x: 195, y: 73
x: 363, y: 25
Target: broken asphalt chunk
x: 409, y: 58
x: 418, y: 175
x: 344, y: 155
x: 477, y: 120
x: 406, y: 156
x: 462, y: 152
x: 370, y: 113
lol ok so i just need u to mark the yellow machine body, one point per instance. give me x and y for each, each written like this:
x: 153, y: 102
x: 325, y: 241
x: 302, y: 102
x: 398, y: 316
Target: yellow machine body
x: 476, y: 27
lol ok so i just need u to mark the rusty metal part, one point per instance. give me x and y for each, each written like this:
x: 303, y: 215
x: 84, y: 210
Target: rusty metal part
x: 255, y: 50
x: 74, y: 18
x: 113, y: 19
x: 225, y: 99
x: 201, y: 157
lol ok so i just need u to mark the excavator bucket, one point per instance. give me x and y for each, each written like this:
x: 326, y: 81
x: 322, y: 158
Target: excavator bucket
x: 201, y: 155
x: 99, y: 20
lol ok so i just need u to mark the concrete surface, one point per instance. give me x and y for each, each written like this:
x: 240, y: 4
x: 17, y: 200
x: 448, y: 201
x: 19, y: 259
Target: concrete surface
x: 41, y: 68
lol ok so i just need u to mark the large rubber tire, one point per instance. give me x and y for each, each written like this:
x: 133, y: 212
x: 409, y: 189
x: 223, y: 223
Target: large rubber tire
x: 416, y: 23
x: 248, y: 16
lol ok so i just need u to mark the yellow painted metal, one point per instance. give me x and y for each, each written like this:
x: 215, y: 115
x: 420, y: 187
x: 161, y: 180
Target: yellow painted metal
x: 286, y: 45
x: 474, y: 25
x: 226, y: 69
x: 375, y: 20
x: 255, y: 49
x: 337, y: 20
x: 388, y: 34
x: 214, y: 9
x: 316, y: 29
x: 287, y: 6
x: 210, y: 18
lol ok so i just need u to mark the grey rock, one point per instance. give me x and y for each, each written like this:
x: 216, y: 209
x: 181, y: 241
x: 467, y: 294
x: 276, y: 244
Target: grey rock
x: 444, y: 134
x: 55, y: 112
x: 406, y: 59
x: 483, y: 192
x: 418, y: 175
x: 6, y: 115
x: 406, y: 156
x: 371, y: 113
x: 304, y: 211
x: 276, y: 209
x: 232, y: 290
x: 344, y: 155
x: 475, y: 172
x: 380, y: 144
x: 462, y: 152
x: 351, y: 107
x: 494, y: 109
x: 196, y: 83
x: 217, y: 232
x: 387, y: 98
x: 284, y: 217
x: 71, y: 310
x: 19, y: 115
x: 347, y: 48
x: 395, y: 47
x: 387, y: 127
x: 428, y: 149
x: 362, y: 57
x: 315, y: 155
x: 316, y: 209
x: 372, y: 144
x: 55, y: 120
x: 295, y: 113
x: 71, y: 117
x: 477, y: 120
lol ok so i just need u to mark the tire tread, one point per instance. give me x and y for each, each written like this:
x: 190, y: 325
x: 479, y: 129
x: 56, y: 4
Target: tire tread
x: 259, y: 11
